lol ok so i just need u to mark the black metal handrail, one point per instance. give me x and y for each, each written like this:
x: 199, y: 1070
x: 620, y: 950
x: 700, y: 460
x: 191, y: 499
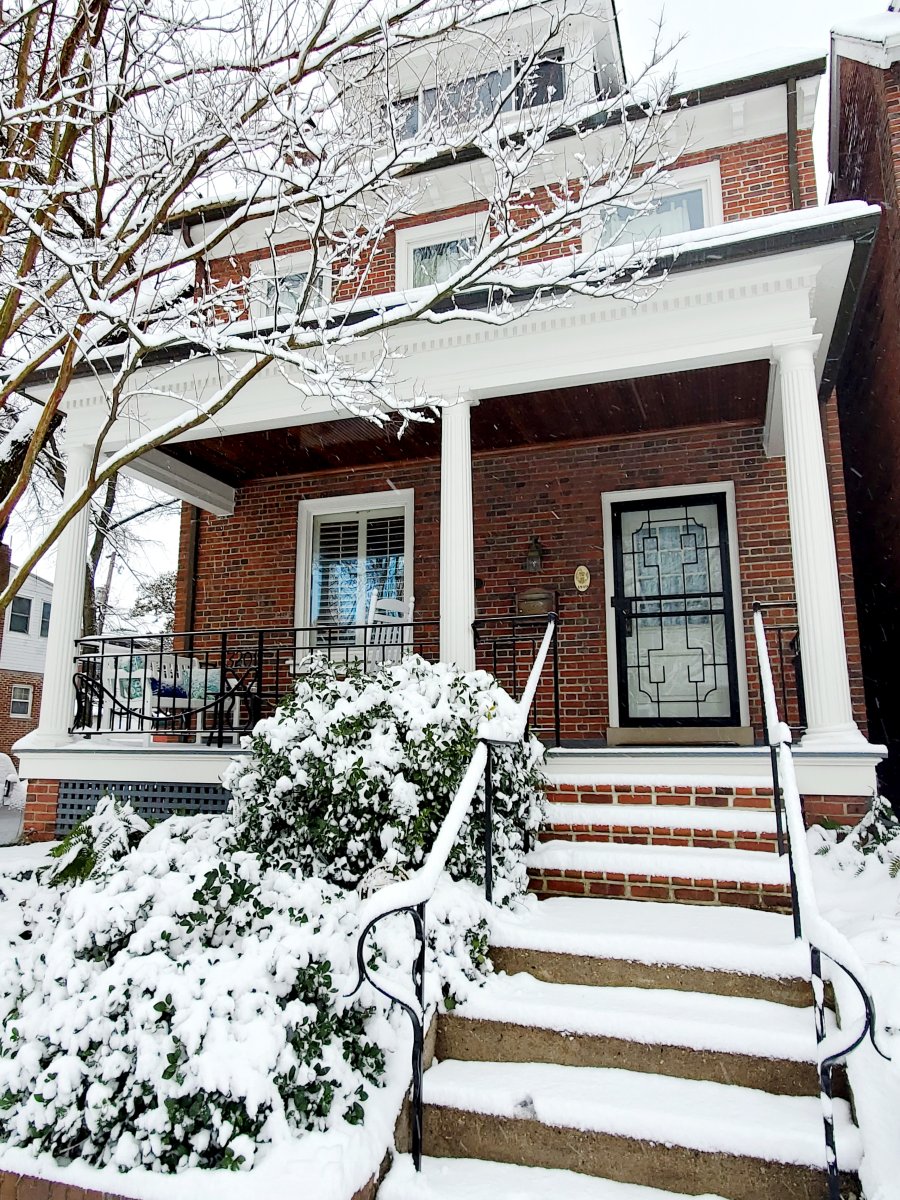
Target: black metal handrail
x: 809, y: 924
x: 783, y: 642
x: 507, y: 646
x: 209, y: 686
x: 411, y: 895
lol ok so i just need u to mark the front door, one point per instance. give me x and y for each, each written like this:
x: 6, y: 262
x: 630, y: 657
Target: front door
x: 674, y: 614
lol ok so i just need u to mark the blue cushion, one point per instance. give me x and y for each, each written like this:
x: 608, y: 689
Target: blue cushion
x: 169, y: 691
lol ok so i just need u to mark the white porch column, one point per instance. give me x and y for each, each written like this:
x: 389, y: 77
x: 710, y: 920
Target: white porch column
x: 826, y: 684
x: 457, y: 541
x: 67, y: 609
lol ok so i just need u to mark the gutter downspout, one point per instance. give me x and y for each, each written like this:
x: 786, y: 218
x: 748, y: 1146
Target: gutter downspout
x: 793, y: 172
x: 192, y: 556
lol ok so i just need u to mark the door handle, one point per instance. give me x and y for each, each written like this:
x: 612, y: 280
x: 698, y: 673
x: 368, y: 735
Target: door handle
x: 622, y: 605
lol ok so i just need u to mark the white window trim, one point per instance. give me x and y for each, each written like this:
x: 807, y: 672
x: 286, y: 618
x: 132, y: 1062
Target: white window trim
x: 332, y: 505
x: 21, y: 716
x: 703, y: 177
x: 607, y: 500
x: 31, y: 613
x: 430, y: 234
x: 283, y: 264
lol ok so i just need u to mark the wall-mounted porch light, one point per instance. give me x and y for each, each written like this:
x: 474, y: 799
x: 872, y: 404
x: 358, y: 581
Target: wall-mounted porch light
x: 534, y: 559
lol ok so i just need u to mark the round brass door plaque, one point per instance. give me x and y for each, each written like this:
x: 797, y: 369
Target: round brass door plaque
x: 582, y: 578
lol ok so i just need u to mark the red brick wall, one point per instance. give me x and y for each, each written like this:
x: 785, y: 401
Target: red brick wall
x: 246, y: 563
x: 755, y: 183
x: 869, y: 390
x: 40, y: 810
x: 13, y: 728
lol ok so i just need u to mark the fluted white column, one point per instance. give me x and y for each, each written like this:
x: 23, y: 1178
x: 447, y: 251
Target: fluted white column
x: 826, y: 683
x: 67, y: 609
x: 457, y: 538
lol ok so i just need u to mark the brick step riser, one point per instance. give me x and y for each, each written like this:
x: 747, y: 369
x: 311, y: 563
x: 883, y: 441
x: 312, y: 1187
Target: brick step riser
x: 450, y: 1132
x: 697, y: 797
x: 632, y: 835
x: 665, y: 889
x: 500, y: 1041
x: 551, y: 966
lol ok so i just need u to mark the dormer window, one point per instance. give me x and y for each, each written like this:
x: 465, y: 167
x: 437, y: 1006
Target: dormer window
x: 473, y: 97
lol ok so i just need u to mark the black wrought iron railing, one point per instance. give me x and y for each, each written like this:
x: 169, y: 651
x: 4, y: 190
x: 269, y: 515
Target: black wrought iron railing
x: 783, y: 642
x: 410, y: 896
x: 507, y: 646
x: 210, y: 686
x: 823, y: 940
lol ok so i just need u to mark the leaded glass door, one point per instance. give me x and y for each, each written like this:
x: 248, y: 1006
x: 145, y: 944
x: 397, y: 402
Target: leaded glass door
x: 674, y: 613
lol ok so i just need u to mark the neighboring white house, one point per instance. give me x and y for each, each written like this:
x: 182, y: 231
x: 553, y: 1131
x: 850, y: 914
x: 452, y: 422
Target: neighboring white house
x: 23, y: 648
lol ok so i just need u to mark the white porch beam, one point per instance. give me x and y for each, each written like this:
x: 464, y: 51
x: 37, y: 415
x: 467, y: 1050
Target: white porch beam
x: 825, y: 677
x: 457, y: 595
x: 183, y: 482
x: 66, y: 611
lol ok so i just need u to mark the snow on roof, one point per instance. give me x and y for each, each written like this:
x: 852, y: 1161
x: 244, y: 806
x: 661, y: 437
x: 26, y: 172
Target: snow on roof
x: 744, y: 67
x: 880, y: 34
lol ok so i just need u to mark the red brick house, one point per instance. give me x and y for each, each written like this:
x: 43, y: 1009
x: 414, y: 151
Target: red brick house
x: 649, y: 471
x: 865, y: 164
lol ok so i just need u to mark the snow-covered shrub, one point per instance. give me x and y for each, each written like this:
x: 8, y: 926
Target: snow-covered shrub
x: 878, y: 834
x: 179, y: 1006
x: 107, y: 834
x: 188, y: 1003
x: 356, y: 771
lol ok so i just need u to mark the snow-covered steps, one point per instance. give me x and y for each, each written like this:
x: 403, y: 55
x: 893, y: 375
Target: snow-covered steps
x: 664, y: 873
x: 725, y: 1039
x: 683, y: 947
x: 684, y: 1135
x: 475, y: 1179
x: 663, y: 825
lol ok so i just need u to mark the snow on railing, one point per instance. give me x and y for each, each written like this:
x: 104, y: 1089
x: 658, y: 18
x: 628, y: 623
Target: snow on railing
x: 411, y: 895
x: 820, y: 935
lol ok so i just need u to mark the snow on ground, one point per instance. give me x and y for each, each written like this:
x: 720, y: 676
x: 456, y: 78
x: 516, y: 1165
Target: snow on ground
x: 857, y: 893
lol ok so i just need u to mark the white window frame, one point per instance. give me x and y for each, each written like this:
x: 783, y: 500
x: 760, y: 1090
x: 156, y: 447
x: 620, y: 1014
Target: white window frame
x: 283, y: 264
x: 608, y: 500
x: 328, y: 506
x: 9, y: 627
x: 431, y: 234
x: 703, y: 177
x: 12, y: 700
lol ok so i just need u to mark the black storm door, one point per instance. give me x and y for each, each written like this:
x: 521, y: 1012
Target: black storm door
x: 674, y: 614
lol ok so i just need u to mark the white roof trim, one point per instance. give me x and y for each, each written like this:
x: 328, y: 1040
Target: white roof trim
x: 874, y: 40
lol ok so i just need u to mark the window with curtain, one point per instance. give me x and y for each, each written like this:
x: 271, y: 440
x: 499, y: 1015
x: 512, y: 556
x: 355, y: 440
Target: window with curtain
x: 672, y: 214
x: 437, y: 262
x: 355, y: 556
x: 283, y: 297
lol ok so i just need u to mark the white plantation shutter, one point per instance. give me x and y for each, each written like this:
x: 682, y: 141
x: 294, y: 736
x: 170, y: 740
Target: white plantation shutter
x: 354, y: 556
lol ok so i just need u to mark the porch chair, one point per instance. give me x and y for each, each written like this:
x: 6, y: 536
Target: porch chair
x: 388, y: 627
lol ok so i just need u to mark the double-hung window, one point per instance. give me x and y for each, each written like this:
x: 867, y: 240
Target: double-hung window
x: 355, y: 556
x: 283, y: 289
x: 691, y: 198
x: 21, y: 696
x: 20, y: 614
x: 45, y: 619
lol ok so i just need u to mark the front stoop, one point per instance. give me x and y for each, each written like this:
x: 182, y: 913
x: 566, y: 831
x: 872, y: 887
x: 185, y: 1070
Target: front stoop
x: 629, y: 1051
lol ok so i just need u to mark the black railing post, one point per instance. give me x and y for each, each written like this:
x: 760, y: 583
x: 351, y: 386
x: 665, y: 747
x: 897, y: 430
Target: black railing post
x: 824, y: 1067
x: 557, y: 713
x: 489, y: 824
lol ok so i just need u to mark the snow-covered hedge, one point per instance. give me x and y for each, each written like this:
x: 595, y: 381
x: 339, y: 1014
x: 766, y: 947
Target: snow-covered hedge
x: 187, y: 1003
x: 356, y: 771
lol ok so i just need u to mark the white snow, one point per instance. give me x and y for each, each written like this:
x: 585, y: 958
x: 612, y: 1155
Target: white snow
x: 687, y: 935
x: 744, y: 66
x: 14, y: 859
x: 713, y: 1117
x: 879, y: 27
x: 651, y: 1016
x: 468, y: 1179
x: 741, y: 866
x: 857, y: 894
x: 662, y: 816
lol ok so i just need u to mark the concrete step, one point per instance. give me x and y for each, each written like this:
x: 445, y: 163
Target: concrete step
x: 669, y: 874
x: 476, y: 1179
x: 594, y: 788
x: 681, y: 947
x: 663, y: 825
x: 724, y: 1039
x: 683, y: 1135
